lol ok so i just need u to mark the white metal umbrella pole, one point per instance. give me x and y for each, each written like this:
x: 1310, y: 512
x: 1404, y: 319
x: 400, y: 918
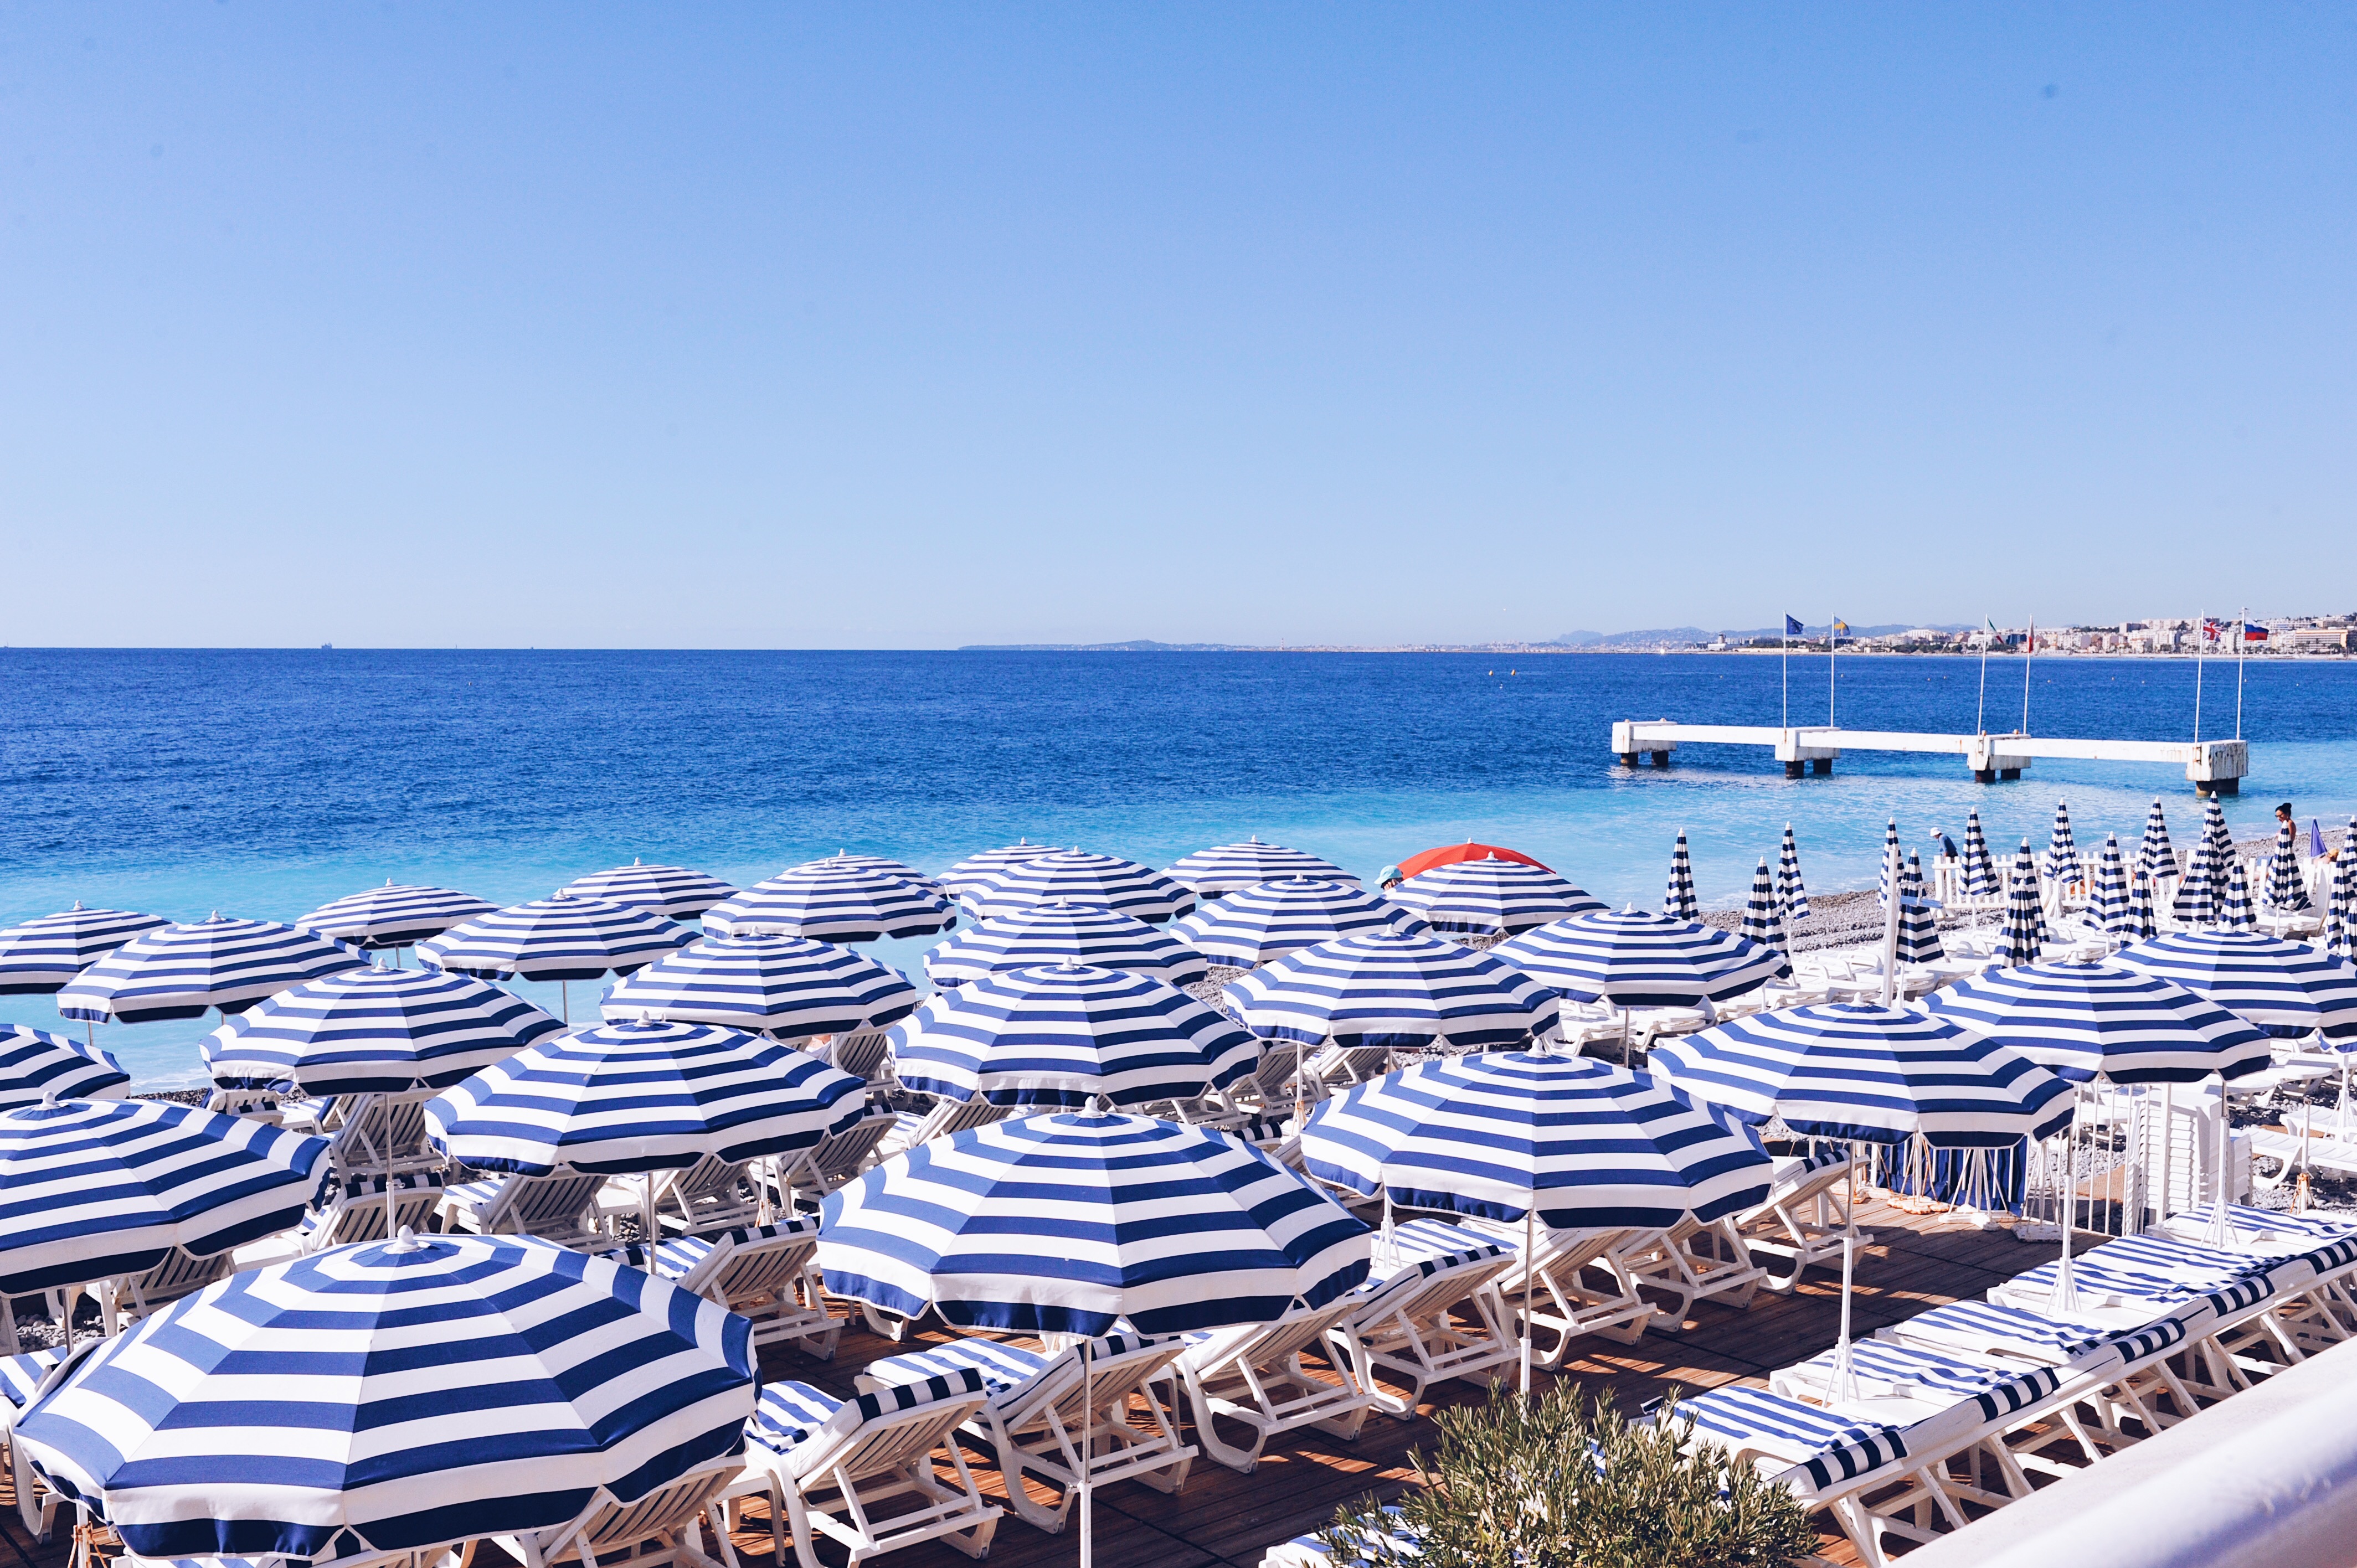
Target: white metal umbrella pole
x: 1530, y: 1242
x: 2065, y: 1299
x: 2222, y: 1224
x: 1844, y: 1385
x: 1088, y: 1408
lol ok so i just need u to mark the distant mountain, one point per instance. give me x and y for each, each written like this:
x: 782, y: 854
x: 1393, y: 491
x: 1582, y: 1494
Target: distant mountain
x: 1139, y: 646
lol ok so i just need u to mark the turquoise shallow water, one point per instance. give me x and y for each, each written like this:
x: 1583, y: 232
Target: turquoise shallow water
x: 265, y: 783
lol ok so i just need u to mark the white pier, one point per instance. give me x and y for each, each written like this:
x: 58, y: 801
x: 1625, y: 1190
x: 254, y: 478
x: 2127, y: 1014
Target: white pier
x: 2214, y: 767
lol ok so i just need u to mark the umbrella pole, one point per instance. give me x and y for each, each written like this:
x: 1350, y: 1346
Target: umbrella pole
x: 1845, y: 1386
x: 2168, y: 1150
x: 1088, y: 1409
x: 647, y: 1214
x: 565, y: 998
x: 2065, y: 1298
x: 2221, y: 1225
x: 1624, y: 1035
x: 1530, y: 1240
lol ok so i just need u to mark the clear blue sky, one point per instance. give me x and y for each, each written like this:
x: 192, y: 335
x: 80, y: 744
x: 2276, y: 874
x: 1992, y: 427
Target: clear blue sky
x: 802, y: 326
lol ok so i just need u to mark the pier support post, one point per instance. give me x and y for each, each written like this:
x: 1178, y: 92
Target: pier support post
x: 1984, y: 774
x: 1628, y: 760
x: 2008, y: 773
x: 1795, y: 770
x: 2219, y: 767
x: 1661, y: 757
x: 1824, y: 765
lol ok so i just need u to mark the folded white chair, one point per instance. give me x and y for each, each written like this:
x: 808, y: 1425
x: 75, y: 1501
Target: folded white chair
x: 561, y: 1208
x: 1435, y: 1315
x: 355, y: 1211
x: 767, y: 1274
x: 1033, y: 1418
x: 127, y: 1298
x: 1334, y: 1067
x: 1253, y: 1374
x: 711, y: 1195
x: 826, y: 1466
x: 368, y: 1131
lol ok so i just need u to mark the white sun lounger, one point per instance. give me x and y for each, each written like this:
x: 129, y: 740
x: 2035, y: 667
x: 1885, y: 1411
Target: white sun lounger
x: 1253, y: 1374
x: 1804, y: 1219
x: 560, y: 1209
x: 947, y: 1116
x: 662, y: 1530
x: 1570, y: 1288
x: 1694, y: 1260
x: 1437, y: 1316
x: 835, y: 1159
x: 764, y: 1273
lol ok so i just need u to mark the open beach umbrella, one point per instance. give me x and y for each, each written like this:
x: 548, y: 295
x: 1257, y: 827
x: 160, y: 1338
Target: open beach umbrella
x: 1389, y: 990
x: 1254, y: 924
x: 673, y: 892
x: 2235, y: 913
x: 1980, y: 870
x: 2155, y: 855
x: 1211, y: 872
x: 831, y: 903
x: 2144, y: 921
x: 562, y: 939
x: 967, y: 875
x: 1764, y: 913
x: 180, y: 971
x: 1491, y: 897
x: 2086, y: 1021
x: 1630, y: 958
x: 93, y: 1188
x: 1919, y: 922
x: 1063, y: 931
x: 393, y: 916
x: 2287, y: 989
x: 1790, y: 890
x: 42, y: 955
x: 1451, y: 853
x: 2286, y: 889
x: 393, y: 1397
x: 2108, y: 903
x: 36, y: 1065
x: 1678, y: 898
x: 844, y: 860
x: 789, y: 988
x: 2062, y: 864
x: 373, y: 1031
x: 1068, y: 1035
x: 1076, y: 876
x: 620, y: 1098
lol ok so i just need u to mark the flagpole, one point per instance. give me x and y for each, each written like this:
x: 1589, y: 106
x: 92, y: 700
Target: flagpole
x: 2242, y: 643
x: 2201, y: 646
x: 1788, y: 673
x: 2028, y: 652
x: 1833, y: 646
x: 1980, y: 708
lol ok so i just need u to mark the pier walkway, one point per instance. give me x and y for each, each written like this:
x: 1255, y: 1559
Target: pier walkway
x: 2214, y: 767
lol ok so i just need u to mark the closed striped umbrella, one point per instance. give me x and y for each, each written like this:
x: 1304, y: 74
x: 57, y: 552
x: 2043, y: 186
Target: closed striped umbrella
x: 1633, y: 958
x: 1063, y: 1223
x: 1790, y: 890
x: 673, y: 892
x: 373, y: 1031
x: 2235, y: 914
x: 393, y: 916
x: 91, y: 1188
x: 1764, y: 913
x: 1919, y: 923
x: 42, y: 955
x: 2343, y: 941
x: 562, y: 939
x: 1387, y: 990
x: 2286, y: 889
x: 1678, y: 899
x: 1076, y: 876
x: 2142, y: 920
x: 844, y: 860
x: 1062, y: 931
x: 1068, y: 1035
x: 37, y: 1065
x: 1870, y: 1074
x: 969, y: 874
x: 831, y: 903
x: 1492, y: 896
x: 2085, y: 1021
x: 1979, y: 868
x: 2022, y: 935
x: 2155, y: 853
x: 1889, y: 858
x: 393, y: 1397
x: 2216, y: 837
x: 178, y: 971
x: 2062, y: 864
x: 1497, y: 1135
x: 1254, y: 924
x: 1223, y: 869
x: 2109, y: 901
x: 2199, y: 901
x: 616, y: 1097
x: 2287, y: 989
x: 789, y: 988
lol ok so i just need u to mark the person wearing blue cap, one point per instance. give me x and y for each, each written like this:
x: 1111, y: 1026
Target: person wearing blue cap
x: 1387, y: 878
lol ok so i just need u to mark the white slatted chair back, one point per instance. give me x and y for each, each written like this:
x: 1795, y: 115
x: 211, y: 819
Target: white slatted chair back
x: 133, y: 1296
x: 357, y: 1211
x: 860, y: 1053
x: 837, y: 1158
x: 662, y: 1528
x: 558, y: 1207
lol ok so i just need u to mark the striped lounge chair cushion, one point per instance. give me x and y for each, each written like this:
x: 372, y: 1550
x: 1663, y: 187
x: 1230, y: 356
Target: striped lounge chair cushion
x: 1422, y: 1248
x: 788, y: 1413
x: 20, y: 1376
x: 1836, y: 1447
x: 1987, y: 1322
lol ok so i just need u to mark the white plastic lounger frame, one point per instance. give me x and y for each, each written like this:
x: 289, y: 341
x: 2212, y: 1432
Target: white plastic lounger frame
x: 764, y: 1273
x: 1253, y: 1374
x: 1803, y: 1221
x: 1577, y: 1290
x: 947, y: 1116
x: 659, y: 1530
x: 835, y: 1159
x: 1692, y: 1262
x: 1437, y: 1319
x: 562, y: 1208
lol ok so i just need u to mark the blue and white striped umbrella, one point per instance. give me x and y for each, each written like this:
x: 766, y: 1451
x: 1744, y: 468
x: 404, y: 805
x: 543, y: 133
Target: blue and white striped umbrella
x: 42, y: 955
x: 1678, y: 899
x: 1889, y: 855
x: 36, y: 1064
x: 1223, y: 869
x: 969, y: 874
x: 2200, y: 900
x: 1583, y: 1142
x: 1068, y: 1035
x: 2108, y: 902
x: 393, y: 916
x: 616, y: 1097
x: 2061, y: 863
x: 2085, y: 1021
x: 2287, y: 889
x: 2216, y: 837
x: 1063, y: 1223
x: 831, y: 903
x: 673, y: 892
x: 374, y: 1031
x: 91, y: 1188
x: 1062, y: 932
x: 1077, y: 876
x: 2144, y: 921
x: 1919, y: 924
x: 2022, y: 934
x: 1254, y: 924
x: 1870, y: 1074
x: 561, y: 937
x: 789, y: 988
x: 1386, y: 989
x: 2155, y: 853
x: 844, y: 860
x: 1979, y: 869
x: 1790, y: 890
x: 178, y: 971
x: 1633, y: 958
x: 1492, y: 896
x: 393, y: 1397
x: 1764, y: 913
x: 2235, y: 914
x: 2342, y: 934
x: 2287, y: 989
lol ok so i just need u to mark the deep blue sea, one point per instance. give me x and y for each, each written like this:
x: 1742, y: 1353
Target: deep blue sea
x: 264, y: 783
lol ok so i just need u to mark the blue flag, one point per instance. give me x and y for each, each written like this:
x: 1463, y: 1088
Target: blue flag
x: 1792, y: 627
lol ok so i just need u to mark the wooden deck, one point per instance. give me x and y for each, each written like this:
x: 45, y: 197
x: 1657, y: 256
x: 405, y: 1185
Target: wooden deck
x: 1223, y: 1517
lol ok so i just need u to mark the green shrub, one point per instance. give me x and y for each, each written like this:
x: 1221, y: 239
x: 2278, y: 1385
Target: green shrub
x: 1543, y: 1483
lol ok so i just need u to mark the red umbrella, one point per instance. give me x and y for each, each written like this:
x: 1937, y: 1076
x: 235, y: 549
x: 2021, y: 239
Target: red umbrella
x: 1450, y: 855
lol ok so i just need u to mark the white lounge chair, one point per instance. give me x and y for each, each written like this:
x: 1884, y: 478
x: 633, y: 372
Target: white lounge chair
x: 355, y: 1211
x: 1694, y: 1260
x: 1435, y: 1316
x: 660, y: 1530
x: 561, y: 1208
x: 127, y: 1298
x: 765, y: 1272
x: 1804, y: 1219
x: 21, y: 1378
x: 827, y: 1464
x: 1033, y: 1418
x: 909, y: 1129
x: 367, y: 1132
x: 863, y: 1053
x: 1569, y: 1288
x: 710, y: 1195
x: 1252, y: 1375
